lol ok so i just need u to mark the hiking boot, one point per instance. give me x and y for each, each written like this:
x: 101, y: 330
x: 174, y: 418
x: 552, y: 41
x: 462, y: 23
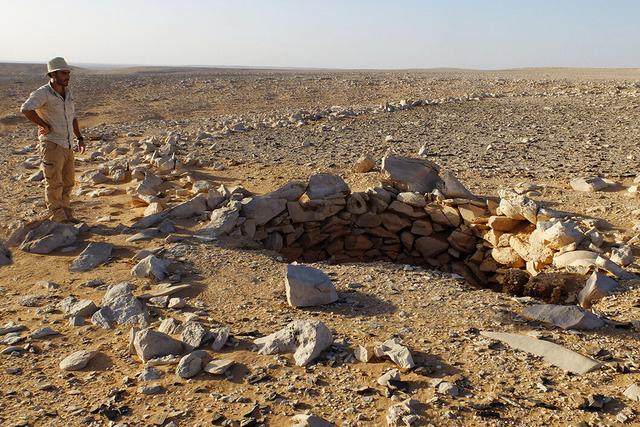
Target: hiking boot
x: 57, y: 216
x: 69, y: 216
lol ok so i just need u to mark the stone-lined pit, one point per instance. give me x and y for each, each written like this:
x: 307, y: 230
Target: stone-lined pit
x: 485, y: 241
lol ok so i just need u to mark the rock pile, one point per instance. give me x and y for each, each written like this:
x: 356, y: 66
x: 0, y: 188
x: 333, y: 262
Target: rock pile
x: 43, y: 237
x: 305, y: 338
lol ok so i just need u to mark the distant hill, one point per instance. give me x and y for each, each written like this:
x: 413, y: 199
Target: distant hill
x: 34, y: 70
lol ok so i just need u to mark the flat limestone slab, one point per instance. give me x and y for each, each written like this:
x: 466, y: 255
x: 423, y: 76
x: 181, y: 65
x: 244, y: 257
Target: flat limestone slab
x: 554, y: 354
x: 164, y: 292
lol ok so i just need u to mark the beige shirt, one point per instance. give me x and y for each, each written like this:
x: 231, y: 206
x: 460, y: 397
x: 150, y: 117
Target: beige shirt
x: 57, y: 111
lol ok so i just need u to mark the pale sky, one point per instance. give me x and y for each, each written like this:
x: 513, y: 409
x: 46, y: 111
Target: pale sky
x: 480, y: 34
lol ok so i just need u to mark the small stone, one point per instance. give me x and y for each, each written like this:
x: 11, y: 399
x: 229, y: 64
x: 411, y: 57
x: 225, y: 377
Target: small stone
x: 309, y: 420
x: 13, y: 349
x: 48, y: 285
x: 190, y: 365
x: 363, y: 354
x: 449, y: 388
x: 159, y: 301
x: 43, y: 332
x: 598, y: 286
x: 150, y: 374
x: 77, y: 361
x: 364, y: 164
x: 262, y: 209
x: 153, y: 208
x: 192, y: 207
x: 124, y: 307
x: 103, y: 318
x: 166, y: 289
x: 589, y: 184
x: 594, y: 403
x: 390, y: 375
x: 13, y: 370
x: 633, y: 392
x: 552, y: 353
x: 5, y: 255
x: 152, y: 267
x: 413, y: 199
x: 218, y: 367
x: 223, y: 220
x: 31, y: 300
x: 416, y: 175
x: 76, y: 321
x: 517, y: 206
x: 403, y: 414
x: 47, y: 237
x: 146, y: 234
x: 560, y: 234
x: 151, y: 390
x: 395, y: 351
x: 94, y: 283
x: 170, y: 326
x: 177, y: 303
x: 11, y: 327
x: 150, y: 344
x: 194, y: 334
x: 503, y: 223
x: 92, y: 256
x: 219, y: 337
x: 622, y: 256
x: 324, y: 185
x: 72, y: 307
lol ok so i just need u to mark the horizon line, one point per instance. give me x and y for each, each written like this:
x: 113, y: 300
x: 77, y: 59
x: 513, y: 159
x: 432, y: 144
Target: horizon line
x: 108, y: 66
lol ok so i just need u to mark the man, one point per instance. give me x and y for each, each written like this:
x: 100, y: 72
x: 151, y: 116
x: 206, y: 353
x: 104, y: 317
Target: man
x: 51, y: 108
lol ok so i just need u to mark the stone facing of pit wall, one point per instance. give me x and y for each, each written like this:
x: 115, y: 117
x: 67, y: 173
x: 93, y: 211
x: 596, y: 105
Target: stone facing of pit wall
x: 380, y: 224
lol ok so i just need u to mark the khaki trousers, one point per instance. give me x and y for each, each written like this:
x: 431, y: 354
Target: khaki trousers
x: 59, y: 174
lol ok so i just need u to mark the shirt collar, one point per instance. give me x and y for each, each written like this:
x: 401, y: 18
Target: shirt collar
x: 54, y: 91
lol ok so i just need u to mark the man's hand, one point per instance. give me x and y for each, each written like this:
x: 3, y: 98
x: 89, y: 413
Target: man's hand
x: 43, y: 127
x: 76, y: 131
x: 44, y: 130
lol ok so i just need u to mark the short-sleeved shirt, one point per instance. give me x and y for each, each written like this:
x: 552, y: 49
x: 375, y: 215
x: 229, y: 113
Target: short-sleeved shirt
x: 57, y: 111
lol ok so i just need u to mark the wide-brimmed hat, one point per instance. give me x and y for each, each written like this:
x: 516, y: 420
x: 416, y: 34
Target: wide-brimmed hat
x: 57, y: 64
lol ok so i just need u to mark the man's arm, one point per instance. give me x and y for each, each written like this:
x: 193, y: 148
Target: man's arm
x: 76, y: 132
x: 44, y: 127
x: 36, y: 100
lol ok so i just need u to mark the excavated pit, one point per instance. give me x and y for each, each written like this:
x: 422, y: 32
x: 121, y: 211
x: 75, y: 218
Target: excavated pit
x: 471, y: 237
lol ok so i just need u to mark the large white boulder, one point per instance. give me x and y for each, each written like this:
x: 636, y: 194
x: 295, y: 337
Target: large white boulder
x: 307, y: 286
